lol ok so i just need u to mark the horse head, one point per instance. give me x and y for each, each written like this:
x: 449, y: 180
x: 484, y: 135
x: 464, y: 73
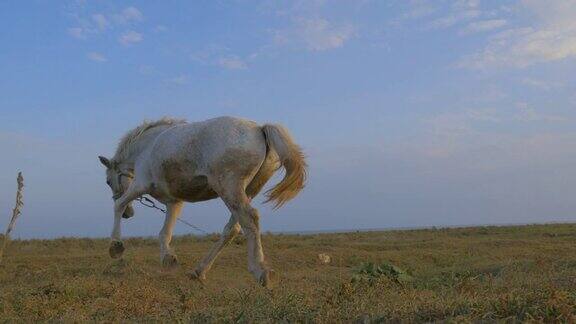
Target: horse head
x: 118, y: 180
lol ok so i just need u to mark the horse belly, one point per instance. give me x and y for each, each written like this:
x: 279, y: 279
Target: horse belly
x: 183, y: 183
x: 192, y: 190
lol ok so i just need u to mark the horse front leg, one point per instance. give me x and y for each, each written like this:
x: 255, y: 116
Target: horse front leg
x: 167, y: 257
x: 116, y: 246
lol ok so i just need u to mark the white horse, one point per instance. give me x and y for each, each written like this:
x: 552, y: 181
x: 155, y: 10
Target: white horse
x: 231, y: 158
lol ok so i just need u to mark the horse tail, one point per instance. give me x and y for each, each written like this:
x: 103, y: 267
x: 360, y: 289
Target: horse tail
x: 291, y: 158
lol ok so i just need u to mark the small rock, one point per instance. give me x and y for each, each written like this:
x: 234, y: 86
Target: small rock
x: 324, y: 258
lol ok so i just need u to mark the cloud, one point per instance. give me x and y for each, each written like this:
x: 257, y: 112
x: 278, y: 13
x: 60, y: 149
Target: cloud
x: 419, y: 9
x: 459, y: 11
x: 440, y: 14
x: 145, y: 69
x: 529, y: 114
x: 454, y: 123
x: 179, y: 80
x: 232, y: 62
x: 96, y: 57
x: 160, y: 28
x: 130, y: 37
x: 128, y: 15
x: 451, y: 126
x: 77, y: 32
x: 541, y: 84
x: 219, y: 56
x: 101, y: 21
x: 453, y: 19
x: 484, y: 26
x: 306, y: 27
x: 461, y: 132
x: 132, y: 13
x: 314, y: 34
x: 549, y: 35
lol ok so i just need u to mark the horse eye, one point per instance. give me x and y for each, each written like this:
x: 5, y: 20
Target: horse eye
x: 108, y: 182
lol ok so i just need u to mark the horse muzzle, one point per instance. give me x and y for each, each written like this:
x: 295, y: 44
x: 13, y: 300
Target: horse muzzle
x: 129, y: 212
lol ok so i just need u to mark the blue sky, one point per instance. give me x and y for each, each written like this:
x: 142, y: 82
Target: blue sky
x: 412, y: 113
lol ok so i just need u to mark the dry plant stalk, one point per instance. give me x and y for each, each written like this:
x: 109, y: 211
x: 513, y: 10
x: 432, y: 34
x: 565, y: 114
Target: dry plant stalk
x: 15, y: 213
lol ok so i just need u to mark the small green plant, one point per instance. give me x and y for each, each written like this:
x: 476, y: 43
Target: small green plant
x: 370, y: 271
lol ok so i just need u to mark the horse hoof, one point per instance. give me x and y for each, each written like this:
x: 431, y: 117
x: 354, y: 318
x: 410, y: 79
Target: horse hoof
x: 116, y: 249
x: 169, y: 261
x: 267, y: 278
x: 197, y: 275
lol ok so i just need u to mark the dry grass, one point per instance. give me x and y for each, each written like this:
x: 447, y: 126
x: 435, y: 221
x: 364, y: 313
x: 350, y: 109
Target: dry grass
x: 15, y: 213
x: 525, y: 273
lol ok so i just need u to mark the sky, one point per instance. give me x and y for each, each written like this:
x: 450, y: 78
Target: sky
x: 411, y: 112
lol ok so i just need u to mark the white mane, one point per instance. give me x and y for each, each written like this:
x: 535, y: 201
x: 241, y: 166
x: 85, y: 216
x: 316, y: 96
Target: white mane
x: 127, y: 141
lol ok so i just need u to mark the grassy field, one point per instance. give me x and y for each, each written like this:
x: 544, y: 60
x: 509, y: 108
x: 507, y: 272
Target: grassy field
x: 516, y: 273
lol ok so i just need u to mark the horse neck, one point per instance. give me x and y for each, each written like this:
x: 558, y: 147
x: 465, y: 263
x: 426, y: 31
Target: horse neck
x: 139, y: 145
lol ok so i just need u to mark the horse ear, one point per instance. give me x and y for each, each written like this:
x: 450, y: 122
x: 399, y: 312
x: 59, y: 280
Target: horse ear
x: 105, y: 162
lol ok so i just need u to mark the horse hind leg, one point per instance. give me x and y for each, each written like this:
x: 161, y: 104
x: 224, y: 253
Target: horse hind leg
x: 235, y: 198
x: 266, y: 171
x: 249, y: 219
x: 231, y: 230
x: 228, y: 234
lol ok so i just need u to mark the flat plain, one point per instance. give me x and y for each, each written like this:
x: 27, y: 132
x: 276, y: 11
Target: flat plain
x: 486, y: 274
